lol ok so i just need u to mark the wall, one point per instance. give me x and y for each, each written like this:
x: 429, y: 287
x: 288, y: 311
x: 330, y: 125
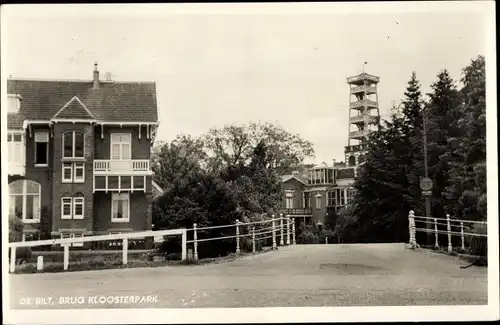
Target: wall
x: 298, y: 187
x: 141, y: 148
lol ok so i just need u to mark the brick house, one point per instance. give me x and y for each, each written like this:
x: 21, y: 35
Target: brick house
x: 310, y: 197
x: 79, y: 156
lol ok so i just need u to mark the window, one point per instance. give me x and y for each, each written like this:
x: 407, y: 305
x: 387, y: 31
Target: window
x: 289, y: 199
x: 352, y: 161
x: 121, y: 146
x: 41, y: 148
x: 72, y: 236
x: 73, y: 172
x: 318, y: 201
x: 25, y: 200
x: 16, y: 148
x: 306, y: 200
x: 331, y: 197
x: 342, y: 197
x: 350, y: 195
x: 72, y: 207
x: 73, y: 144
x: 120, y: 207
x: 13, y: 103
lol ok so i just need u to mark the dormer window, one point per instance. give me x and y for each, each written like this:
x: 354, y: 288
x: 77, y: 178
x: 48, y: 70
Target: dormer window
x: 13, y: 103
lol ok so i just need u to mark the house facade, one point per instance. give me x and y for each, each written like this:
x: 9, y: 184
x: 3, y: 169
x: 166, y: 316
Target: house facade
x: 79, y: 156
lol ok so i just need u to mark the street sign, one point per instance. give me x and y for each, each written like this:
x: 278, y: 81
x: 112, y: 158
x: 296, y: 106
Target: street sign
x: 426, y: 193
x: 426, y: 184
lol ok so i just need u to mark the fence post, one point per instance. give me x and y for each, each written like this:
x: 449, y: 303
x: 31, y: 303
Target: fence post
x: 12, y: 259
x: 293, y: 232
x: 411, y: 226
x: 237, y: 237
x: 448, y: 226
x: 184, y: 245
x: 274, y: 233
x: 125, y: 251
x: 253, y: 240
x: 195, y: 243
x: 288, y: 230
x: 436, y: 244
x: 462, y: 237
x: 281, y: 229
x: 39, y: 263
x: 66, y: 256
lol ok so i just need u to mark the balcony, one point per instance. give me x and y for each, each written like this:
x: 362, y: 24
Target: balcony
x: 362, y: 79
x: 345, y: 173
x: 363, y: 103
x: 364, y: 89
x: 363, y: 119
x: 355, y: 148
x: 359, y: 134
x: 122, y: 167
x: 297, y: 211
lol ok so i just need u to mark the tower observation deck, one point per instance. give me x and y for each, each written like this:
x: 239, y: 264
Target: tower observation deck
x: 364, y: 114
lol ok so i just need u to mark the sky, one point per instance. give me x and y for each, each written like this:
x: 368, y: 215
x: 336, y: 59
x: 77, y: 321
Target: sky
x: 215, y: 67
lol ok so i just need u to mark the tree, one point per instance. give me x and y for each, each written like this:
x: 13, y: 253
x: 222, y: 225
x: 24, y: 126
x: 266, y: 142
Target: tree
x: 443, y: 112
x: 15, y: 228
x: 467, y: 150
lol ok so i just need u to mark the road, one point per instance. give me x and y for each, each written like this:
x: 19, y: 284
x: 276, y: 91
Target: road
x: 293, y: 276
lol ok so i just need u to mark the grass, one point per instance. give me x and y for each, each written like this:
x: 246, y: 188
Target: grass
x: 106, y: 260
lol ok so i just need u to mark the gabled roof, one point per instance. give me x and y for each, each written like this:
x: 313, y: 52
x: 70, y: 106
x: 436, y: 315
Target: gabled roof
x: 113, y: 101
x: 74, y: 109
x: 286, y: 178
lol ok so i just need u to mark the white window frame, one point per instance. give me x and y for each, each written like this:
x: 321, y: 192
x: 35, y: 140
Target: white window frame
x: 119, y: 197
x: 13, y: 103
x: 114, y: 141
x: 73, y: 166
x: 318, y: 201
x: 70, y: 203
x: 66, y: 235
x: 46, y: 135
x: 79, y: 200
x: 73, y: 201
x: 73, y: 148
x: 24, y: 194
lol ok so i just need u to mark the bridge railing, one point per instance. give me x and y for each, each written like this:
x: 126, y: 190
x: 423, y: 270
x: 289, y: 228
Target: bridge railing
x: 454, y: 230
x: 282, y: 227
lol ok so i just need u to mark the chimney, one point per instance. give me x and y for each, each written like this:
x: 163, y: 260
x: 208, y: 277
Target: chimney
x: 108, y: 76
x: 333, y: 162
x: 96, y: 77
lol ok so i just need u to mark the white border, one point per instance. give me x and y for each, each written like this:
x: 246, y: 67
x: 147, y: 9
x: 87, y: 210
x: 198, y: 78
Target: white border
x: 306, y: 314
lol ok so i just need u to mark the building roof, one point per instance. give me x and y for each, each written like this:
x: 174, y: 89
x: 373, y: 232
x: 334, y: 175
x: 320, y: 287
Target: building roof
x: 112, y: 102
x: 286, y: 178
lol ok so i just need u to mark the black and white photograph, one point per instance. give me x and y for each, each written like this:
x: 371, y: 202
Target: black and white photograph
x: 249, y: 162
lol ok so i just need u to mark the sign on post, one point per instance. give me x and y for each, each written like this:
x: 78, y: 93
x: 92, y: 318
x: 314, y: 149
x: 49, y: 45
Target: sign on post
x: 426, y: 184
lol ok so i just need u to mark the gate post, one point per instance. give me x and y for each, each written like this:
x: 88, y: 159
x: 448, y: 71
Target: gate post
x: 125, y: 251
x: 411, y: 226
x: 66, y: 256
x: 288, y: 230
x: 448, y: 226
x: 436, y: 244
x: 13, y: 259
x: 462, y: 237
x: 184, y: 245
x: 237, y: 237
x: 195, y: 243
x: 281, y: 229
x: 253, y: 240
x: 274, y: 232
x: 293, y: 232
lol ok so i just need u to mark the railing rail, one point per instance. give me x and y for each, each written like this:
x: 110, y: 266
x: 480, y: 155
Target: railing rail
x: 454, y: 228
x: 296, y: 211
x: 282, y: 226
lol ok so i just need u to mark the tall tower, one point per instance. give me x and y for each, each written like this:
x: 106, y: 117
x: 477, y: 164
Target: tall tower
x: 364, y: 114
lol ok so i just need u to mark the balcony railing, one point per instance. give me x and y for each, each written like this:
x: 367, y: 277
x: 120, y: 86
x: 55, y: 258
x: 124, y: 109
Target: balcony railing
x: 363, y: 103
x: 363, y: 89
x: 354, y: 148
x: 120, y: 167
x: 363, y: 118
x: 359, y: 134
x: 362, y: 78
x: 297, y: 211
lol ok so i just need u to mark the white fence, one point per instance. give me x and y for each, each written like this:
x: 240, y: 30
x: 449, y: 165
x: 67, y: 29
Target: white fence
x: 454, y: 228
x: 280, y: 226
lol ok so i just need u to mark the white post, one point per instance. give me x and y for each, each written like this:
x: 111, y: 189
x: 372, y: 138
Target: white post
x: 195, y: 242
x: 184, y: 245
x: 293, y: 232
x: 66, y: 256
x: 436, y: 244
x: 274, y: 233
x: 288, y: 230
x: 237, y: 237
x: 39, y: 263
x: 12, y: 259
x: 411, y: 226
x: 125, y: 251
x: 448, y: 226
x: 281, y: 229
x: 462, y: 234
x: 253, y: 240
x: 326, y: 240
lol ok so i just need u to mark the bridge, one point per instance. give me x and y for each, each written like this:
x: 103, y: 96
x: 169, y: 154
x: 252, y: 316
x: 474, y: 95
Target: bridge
x: 292, y: 276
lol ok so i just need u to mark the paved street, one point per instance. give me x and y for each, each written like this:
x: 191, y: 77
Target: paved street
x: 309, y: 275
